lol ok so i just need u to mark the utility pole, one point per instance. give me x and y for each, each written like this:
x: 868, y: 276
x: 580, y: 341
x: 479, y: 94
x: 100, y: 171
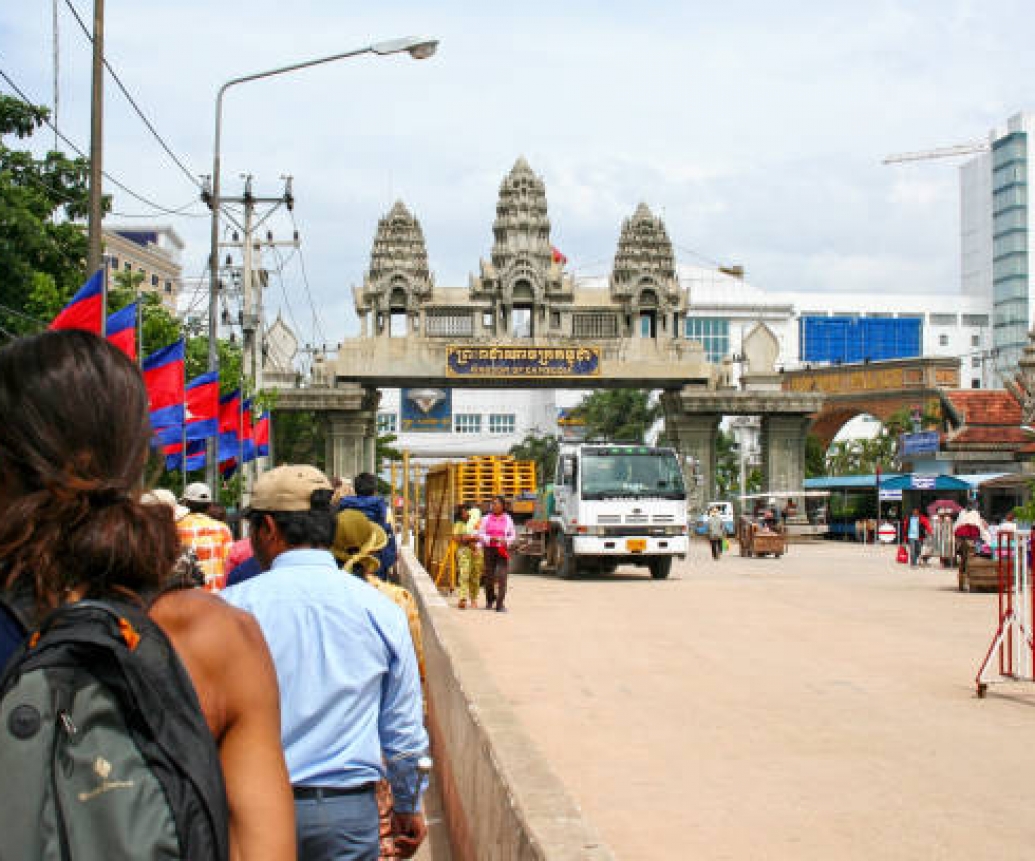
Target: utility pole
x: 96, y: 209
x: 252, y: 325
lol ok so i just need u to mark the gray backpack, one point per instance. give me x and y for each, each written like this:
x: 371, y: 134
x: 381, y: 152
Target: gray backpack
x: 104, y: 750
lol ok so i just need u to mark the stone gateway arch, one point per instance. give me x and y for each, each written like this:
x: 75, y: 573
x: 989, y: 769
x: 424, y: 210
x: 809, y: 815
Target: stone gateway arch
x: 522, y: 321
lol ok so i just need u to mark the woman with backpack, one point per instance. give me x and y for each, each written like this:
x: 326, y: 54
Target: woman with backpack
x: 140, y: 729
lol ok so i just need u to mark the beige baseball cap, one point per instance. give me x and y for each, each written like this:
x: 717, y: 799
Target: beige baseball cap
x: 288, y: 488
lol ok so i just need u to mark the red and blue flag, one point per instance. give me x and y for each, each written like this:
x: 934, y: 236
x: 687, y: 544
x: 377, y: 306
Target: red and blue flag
x: 230, y: 426
x: 86, y: 310
x: 195, y: 456
x: 203, y: 406
x: 163, y: 376
x: 261, y: 435
x: 121, y: 330
x: 247, y: 438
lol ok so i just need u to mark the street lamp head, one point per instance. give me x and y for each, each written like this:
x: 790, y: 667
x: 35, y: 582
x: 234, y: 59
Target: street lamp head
x: 417, y: 47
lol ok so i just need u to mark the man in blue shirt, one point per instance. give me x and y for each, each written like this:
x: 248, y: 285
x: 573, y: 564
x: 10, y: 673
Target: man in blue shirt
x: 350, y: 697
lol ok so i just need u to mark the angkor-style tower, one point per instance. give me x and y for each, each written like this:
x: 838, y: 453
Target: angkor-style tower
x: 643, y: 280
x: 523, y: 273
x: 398, y: 281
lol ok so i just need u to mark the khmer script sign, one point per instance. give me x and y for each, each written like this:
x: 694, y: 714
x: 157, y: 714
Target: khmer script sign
x: 522, y: 361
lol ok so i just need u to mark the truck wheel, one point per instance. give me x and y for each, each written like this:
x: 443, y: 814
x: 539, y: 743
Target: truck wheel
x: 566, y: 564
x: 660, y: 568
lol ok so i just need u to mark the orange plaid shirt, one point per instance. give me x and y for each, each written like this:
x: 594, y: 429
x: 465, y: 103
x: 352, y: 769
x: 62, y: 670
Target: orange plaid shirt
x: 211, y: 541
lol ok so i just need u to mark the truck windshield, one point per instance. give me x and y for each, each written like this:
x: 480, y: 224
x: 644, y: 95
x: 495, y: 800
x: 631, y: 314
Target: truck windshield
x: 640, y: 473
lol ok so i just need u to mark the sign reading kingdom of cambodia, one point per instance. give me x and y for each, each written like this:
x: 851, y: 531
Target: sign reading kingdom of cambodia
x: 522, y: 361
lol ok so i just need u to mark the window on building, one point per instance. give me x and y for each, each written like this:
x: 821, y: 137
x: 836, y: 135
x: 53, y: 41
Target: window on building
x: 975, y: 383
x: 154, y: 280
x: 555, y: 319
x: 713, y: 333
x: 128, y: 267
x: 975, y: 320
x: 487, y: 321
x: 943, y: 340
x: 449, y: 322
x: 387, y: 423
x: 467, y: 423
x: 502, y: 423
x: 595, y: 324
x: 113, y: 262
x: 975, y: 361
x: 942, y: 319
x: 168, y: 286
x: 975, y: 340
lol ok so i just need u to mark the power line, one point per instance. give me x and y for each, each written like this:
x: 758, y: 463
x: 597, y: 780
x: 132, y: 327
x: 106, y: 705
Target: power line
x: 132, y: 101
x: 26, y: 100
x: 317, y: 329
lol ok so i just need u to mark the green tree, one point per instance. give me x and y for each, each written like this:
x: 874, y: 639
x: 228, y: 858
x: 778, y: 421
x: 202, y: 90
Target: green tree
x: 815, y: 457
x: 618, y: 414
x: 42, y: 248
x: 541, y: 449
x: 727, y: 465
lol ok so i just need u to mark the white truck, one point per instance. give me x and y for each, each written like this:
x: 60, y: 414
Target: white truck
x: 616, y: 504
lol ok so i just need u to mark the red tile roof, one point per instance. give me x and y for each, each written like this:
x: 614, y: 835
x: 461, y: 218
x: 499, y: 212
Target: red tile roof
x: 984, y: 434
x: 994, y: 407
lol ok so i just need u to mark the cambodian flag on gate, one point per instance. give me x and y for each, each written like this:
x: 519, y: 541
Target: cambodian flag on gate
x: 121, y: 330
x: 261, y: 435
x: 230, y: 426
x: 85, y: 311
x: 203, y: 406
x: 163, y: 376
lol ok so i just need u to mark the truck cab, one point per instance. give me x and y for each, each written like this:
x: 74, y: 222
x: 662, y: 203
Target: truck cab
x: 617, y: 504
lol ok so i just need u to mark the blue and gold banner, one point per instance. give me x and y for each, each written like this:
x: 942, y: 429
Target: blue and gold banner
x: 426, y: 411
x: 522, y: 361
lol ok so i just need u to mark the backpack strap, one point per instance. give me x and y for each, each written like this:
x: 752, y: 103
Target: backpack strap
x: 20, y: 609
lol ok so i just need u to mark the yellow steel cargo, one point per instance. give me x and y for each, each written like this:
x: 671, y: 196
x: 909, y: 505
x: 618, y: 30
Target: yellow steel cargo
x: 473, y: 481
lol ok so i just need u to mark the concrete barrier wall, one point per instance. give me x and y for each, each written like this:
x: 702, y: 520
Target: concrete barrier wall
x: 500, y: 799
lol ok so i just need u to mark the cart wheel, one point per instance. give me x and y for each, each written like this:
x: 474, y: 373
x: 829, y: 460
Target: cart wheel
x: 982, y: 689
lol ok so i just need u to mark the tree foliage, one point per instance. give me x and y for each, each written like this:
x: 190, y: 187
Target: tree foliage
x: 543, y: 451
x: 618, y: 414
x: 42, y: 249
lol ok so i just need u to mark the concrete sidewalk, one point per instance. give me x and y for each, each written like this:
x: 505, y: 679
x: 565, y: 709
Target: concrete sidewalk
x: 816, y: 706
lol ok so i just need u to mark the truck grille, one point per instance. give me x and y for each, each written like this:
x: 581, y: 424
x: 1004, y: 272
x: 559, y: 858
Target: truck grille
x: 664, y: 518
x: 637, y: 518
x: 604, y: 519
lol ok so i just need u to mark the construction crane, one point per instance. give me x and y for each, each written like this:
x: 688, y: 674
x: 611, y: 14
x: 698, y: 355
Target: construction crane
x: 941, y: 152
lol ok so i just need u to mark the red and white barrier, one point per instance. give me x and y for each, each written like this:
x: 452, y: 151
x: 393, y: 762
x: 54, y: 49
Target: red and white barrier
x: 1013, y: 644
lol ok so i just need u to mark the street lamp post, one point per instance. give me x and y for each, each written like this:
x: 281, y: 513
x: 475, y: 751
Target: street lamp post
x: 418, y: 48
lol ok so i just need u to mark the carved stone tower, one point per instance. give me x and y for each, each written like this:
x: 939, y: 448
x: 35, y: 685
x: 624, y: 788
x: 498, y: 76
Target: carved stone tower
x: 523, y: 279
x: 644, y: 280
x: 398, y: 282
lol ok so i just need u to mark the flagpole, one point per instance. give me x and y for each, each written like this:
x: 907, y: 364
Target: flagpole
x: 183, y: 424
x: 104, y: 298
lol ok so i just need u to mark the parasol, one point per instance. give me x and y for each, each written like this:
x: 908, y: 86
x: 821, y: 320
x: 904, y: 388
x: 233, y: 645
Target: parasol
x: 951, y: 504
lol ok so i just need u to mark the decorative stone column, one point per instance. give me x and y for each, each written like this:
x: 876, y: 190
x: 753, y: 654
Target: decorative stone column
x: 346, y: 439
x: 693, y: 437
x: 783, y: 451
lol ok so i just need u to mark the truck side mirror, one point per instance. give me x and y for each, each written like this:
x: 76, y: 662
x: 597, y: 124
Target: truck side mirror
x: 568, y: 470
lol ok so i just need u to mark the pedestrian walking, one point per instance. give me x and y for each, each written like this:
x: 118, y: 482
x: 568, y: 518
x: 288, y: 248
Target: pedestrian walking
x: 351, y: 708
x: 210, y: 539
x: 716, y: 532
x: 366, y: 499
x: 74, y: 527
x: 916, y: 529
x: 497, y: 534
x: 465, y: 537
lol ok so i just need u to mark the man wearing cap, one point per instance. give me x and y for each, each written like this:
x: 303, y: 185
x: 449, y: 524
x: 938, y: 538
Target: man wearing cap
x: 209, y: 538
x: 349, y: 691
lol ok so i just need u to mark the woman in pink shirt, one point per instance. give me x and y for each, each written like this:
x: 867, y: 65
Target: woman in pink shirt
x: 497, y: 534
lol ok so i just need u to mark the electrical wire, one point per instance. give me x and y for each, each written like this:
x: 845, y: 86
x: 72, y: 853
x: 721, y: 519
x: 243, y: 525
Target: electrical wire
x: 283, y: 289
x: 186, y: 171
x: 317, y: 329
x: 26, y: 100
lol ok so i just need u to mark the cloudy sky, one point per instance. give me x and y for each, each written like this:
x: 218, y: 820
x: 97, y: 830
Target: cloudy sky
x: 755, y: 128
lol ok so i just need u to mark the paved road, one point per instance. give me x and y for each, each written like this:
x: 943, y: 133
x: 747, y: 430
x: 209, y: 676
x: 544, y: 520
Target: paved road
x: 820, y: 706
